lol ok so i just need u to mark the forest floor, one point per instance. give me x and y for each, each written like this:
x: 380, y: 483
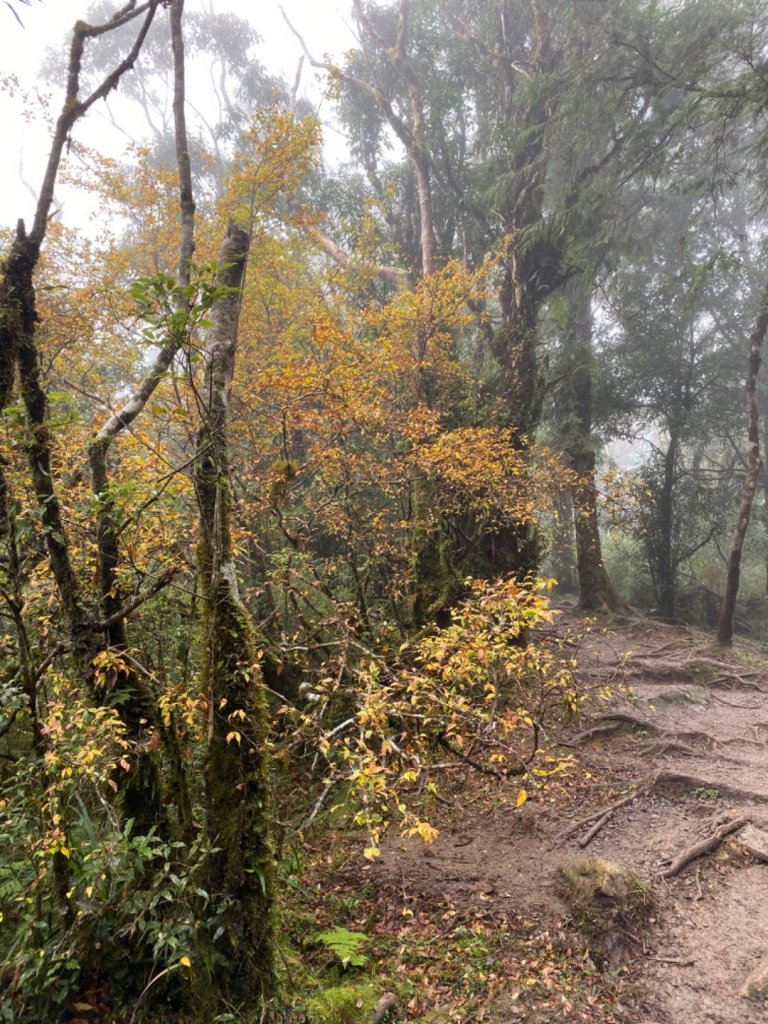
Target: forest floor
x: 474, y: 927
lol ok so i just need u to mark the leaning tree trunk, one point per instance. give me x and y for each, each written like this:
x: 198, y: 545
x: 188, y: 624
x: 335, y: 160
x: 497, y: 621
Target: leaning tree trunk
x: 239, y: 801
x: 756, y: 339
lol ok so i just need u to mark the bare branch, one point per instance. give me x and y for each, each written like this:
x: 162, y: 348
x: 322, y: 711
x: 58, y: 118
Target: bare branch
x: 74, y: 108
x: 395, y: 274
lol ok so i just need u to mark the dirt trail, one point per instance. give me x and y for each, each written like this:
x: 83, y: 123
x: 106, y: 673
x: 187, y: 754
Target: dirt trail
x: 690, y: 724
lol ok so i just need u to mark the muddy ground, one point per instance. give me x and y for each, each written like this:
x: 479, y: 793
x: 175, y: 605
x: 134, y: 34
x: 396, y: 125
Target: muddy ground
x: 686, y: 732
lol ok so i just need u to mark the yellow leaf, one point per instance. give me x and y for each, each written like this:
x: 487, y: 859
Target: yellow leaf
x: 371, y: 853
x: 233, y: 736
x: 185, y: 961
x: 522, y: 796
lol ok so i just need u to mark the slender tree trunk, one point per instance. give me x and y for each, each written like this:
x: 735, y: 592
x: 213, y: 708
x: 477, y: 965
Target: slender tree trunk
x: 138, y: 707
x: 728, y: 609
x: 666, y: 570
x: 239, y: 801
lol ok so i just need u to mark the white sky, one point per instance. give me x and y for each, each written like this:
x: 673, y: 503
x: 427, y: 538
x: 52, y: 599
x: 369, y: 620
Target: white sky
x: 324, y: 24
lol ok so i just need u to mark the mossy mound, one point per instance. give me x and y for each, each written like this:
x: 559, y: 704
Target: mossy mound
x: 344, y: 1004
x: 603, y: 896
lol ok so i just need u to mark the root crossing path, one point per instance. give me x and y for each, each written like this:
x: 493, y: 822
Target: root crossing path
x: 672, y: 783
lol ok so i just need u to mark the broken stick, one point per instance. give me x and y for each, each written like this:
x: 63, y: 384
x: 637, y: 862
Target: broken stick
x: 587, y: 839
x: 642, y: 788
x: 704, y: 846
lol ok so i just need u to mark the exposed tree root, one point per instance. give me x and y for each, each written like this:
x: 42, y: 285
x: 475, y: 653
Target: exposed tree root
x: 661, y: 748
x: 727, y: 683
x: 691, y: 665
x: 674, y: 961
x: 677, y: 780
x: 703, y: 846
x: 609, y: 723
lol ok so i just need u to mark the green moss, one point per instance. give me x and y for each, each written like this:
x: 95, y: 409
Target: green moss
x: 344, y: 1004
x: 602, y: 895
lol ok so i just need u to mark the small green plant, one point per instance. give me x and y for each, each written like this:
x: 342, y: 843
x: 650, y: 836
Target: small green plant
x: 705, y: 793
x: 345, y: 945
x: 343, y: 1004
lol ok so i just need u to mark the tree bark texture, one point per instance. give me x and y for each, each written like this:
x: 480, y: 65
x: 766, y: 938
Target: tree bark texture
x: 728, y: 609
x: 575, y: 409
x: 238, y: 785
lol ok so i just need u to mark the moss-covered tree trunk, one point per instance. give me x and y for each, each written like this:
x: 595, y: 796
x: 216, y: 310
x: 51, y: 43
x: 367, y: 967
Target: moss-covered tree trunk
x: 238, y: 785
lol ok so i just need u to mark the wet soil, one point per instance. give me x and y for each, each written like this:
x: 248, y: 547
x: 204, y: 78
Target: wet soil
x: 686, y: 729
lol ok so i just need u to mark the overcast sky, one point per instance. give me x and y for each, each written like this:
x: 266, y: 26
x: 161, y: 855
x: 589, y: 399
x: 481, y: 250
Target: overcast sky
x: 323, y: 23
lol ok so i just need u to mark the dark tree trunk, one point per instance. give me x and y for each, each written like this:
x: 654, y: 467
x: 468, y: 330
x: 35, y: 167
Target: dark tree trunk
x: 563, y: 551
x: 666, y: 568
x: 728, y: 609
x: 575, y: 413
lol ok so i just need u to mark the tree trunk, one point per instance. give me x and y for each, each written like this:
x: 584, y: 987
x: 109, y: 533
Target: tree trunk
x: 238, y: 786
x: 728, y: 609
x: 666, y: 570
x: 563, y: 550
x: 575, y: 407
x: 142, y: 797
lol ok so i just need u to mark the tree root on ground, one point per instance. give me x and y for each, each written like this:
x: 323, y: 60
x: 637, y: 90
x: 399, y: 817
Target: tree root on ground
x: 677, y: 780
x: 661, y: 748
x: 611, y: 722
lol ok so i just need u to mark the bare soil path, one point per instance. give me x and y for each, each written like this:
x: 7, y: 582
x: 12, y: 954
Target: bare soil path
x: 677, y: 756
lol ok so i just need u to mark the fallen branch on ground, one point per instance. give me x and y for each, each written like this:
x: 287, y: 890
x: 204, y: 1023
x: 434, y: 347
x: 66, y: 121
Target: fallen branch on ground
x: 641, y: 790
x: 587, y: 839
x: 703, y: 846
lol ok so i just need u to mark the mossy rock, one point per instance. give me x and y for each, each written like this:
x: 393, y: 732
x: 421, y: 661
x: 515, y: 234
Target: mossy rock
x: 602, y: 895
x: 344, y: 1004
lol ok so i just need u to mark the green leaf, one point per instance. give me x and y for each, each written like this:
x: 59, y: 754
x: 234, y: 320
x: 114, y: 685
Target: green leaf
x: 345, y: 945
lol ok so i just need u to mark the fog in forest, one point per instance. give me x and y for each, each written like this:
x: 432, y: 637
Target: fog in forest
x: 361, y: 362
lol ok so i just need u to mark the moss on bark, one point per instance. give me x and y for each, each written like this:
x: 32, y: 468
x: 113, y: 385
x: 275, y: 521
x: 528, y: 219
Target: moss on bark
x: 239, y: 815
